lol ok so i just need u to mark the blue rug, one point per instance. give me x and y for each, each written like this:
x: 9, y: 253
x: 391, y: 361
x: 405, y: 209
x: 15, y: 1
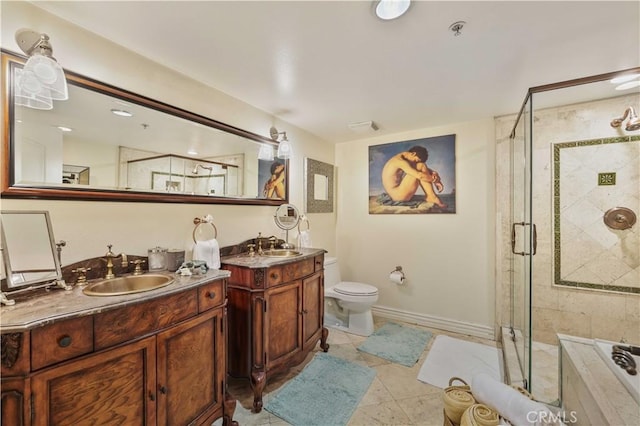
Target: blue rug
x: 397, y: 343
x: 326, y: 392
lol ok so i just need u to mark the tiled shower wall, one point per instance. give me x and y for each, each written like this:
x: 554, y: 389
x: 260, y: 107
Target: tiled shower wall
x: 557, y: 309
x: 590, y: 178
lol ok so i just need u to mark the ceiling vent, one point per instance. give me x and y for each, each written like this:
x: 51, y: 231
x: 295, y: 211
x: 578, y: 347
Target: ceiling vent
x: 363, y: 126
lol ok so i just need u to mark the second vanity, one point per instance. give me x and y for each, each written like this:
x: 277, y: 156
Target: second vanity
x: 151, y: 358
x: 276, y: 314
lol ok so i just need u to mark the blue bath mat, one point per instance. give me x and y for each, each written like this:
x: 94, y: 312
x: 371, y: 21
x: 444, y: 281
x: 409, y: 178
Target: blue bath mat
x: 326, y: 392
x: 397, y: 343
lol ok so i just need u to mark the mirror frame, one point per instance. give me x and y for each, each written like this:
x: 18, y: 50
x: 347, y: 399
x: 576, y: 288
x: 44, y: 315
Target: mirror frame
x: 313, y: 167
x: 8, y: 188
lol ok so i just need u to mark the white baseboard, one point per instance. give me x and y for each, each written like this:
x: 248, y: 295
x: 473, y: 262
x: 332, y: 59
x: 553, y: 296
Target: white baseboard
x: 445, y: 324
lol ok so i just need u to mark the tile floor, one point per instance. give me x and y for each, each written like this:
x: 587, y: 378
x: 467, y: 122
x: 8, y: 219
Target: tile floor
x: 395, y: 396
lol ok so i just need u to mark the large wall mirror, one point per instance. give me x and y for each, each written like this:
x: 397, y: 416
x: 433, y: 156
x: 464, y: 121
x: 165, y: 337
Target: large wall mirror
x: 105, y: 143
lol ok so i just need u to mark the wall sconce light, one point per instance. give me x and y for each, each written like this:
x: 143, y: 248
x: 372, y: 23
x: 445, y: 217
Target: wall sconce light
x: 266, y: 152
x: 42, y: 78
x: 284, y: 146
x: 39, y: 98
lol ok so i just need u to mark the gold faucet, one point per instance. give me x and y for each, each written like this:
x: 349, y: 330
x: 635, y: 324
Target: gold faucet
x: 110, y: 256
x: 272, y: 243
x: 138, y: 266
x: 260, y: 252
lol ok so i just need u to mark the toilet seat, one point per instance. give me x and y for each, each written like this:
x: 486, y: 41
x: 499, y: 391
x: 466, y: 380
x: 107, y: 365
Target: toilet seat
x: 350, y: 288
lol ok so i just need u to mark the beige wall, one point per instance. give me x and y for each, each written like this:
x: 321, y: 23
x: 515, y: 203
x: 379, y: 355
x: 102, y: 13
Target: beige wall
x: 448, y: 259
x: 134, y: 227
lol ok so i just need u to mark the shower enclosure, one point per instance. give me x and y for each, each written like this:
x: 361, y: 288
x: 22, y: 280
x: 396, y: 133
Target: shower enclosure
x: 569, y: 188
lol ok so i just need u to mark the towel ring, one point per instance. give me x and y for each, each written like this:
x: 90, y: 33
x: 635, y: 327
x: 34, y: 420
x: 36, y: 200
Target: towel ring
x: 303, y: 219
x: 199, y: 221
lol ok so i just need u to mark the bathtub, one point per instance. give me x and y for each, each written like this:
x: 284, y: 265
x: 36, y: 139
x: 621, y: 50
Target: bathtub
x: 632, y: 383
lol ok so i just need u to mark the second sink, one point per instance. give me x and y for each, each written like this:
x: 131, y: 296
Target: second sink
x: 127, y: 285
x: 281, y: 253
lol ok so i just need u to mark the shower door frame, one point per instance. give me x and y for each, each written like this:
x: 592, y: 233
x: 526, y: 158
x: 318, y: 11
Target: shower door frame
x: 522, y: 238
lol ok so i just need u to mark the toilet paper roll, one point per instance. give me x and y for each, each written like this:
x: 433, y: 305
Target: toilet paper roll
x: 396, y: 277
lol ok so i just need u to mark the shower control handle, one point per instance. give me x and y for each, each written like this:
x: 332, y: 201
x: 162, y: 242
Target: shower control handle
x: 534, y: 238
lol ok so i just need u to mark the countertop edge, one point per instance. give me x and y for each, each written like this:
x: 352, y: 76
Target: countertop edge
x: 256, y: 262
x: 61, y: 305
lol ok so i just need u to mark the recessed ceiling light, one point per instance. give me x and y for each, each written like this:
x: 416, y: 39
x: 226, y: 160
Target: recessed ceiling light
x: 624, y: 78
x: 121, y: 112
x: 391, y: 9
x: 192, y: 152
x: 65, y: 129
x: 628, y: 85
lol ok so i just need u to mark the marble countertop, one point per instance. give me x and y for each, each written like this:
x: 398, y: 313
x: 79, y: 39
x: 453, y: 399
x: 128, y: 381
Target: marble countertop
x: 256, y: 261
x: 58, y: 304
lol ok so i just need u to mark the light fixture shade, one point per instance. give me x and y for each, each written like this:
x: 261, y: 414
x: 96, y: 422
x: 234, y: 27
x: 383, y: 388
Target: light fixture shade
x: 266, y: 152
x: 30, y: 93
x: 284, y: 149
x: 49, y: 73
x: 391, y: 9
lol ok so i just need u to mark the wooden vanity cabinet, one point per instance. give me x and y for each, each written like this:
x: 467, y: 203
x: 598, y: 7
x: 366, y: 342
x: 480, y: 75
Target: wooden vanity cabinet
x: 159, y: 362
x: 276, y: 317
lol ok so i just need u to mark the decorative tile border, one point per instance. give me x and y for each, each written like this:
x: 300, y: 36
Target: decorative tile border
x: 556, y: 215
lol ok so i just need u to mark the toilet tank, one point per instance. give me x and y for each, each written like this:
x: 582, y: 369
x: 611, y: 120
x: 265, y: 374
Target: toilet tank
x: 331, y: 272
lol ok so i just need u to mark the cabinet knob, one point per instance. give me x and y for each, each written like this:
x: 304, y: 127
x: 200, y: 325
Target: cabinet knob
x: 163, y: 390
x: 152, y: 396
x: 211, y: 294
x: 64, y: 341
x: 273, y: 276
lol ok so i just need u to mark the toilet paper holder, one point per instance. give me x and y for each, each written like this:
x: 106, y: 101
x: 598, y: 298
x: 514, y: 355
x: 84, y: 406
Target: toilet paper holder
x: 398, y: 269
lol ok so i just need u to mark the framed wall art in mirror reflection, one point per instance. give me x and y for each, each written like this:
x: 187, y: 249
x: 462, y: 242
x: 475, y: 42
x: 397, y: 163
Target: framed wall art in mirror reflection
x: 318, y: 186
x: 272, y: 182
x: 413, y: 177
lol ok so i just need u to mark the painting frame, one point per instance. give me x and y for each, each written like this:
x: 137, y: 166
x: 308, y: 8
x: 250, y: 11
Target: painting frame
x: 415, y: 176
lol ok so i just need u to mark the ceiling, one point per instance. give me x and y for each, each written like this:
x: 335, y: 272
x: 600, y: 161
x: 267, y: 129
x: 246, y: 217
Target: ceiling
x: 321, y: 65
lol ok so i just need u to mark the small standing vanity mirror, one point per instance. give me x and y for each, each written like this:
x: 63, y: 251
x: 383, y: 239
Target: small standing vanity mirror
x: 287, y: 218
x: 29, y: 253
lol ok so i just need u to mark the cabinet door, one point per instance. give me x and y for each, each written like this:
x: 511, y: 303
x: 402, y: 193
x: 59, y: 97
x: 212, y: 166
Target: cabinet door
x: 283, y: 323
x: 187, y: 394
x: 15, y: 398
x: 312, y: 307
x: 115, y: 386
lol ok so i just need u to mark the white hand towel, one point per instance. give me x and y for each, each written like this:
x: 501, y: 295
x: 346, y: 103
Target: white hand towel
x: 511, y: 404
x: 209, y: 251
x: 304, y: 239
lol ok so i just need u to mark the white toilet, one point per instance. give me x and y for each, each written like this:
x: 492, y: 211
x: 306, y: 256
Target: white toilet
x: 347, y: 305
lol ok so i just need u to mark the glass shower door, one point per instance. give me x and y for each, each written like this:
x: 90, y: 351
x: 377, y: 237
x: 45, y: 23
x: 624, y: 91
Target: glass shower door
x: 522, y: 248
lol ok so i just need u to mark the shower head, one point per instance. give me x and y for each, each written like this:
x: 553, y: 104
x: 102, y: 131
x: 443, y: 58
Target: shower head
x: 195, y: 169
x: 632, y: 124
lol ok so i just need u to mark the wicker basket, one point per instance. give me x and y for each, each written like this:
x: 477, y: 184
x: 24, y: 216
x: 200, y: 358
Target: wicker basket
x: 480, y: 415
x: 447, y: 420
x: 456, y: 398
